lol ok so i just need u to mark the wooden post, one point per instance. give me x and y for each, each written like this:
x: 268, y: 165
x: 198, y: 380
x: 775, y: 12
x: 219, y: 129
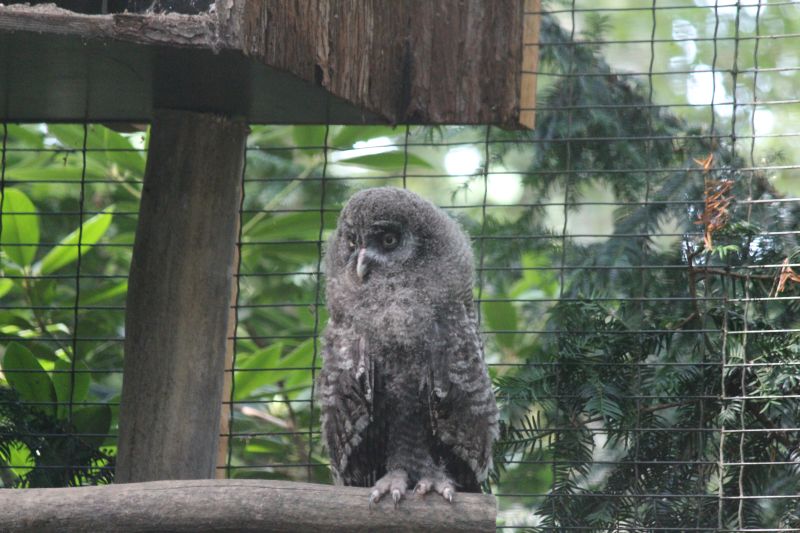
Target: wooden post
x: 237, y: 505
x: 178, y: 298
x: 227, y: 383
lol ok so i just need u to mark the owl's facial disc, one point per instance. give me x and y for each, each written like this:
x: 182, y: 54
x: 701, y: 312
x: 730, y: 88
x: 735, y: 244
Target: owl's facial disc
x: 380, y: 245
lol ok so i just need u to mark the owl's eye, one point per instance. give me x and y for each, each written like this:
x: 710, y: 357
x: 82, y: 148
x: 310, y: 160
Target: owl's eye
x: 390, y: 240
x: 351, y: 243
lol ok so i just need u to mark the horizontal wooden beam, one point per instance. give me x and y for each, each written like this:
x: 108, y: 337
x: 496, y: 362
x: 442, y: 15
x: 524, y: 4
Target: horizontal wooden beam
x: 282, y: 61
x: 236, y: 505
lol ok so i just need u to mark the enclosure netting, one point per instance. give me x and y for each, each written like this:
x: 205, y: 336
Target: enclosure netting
x: 637, y: 277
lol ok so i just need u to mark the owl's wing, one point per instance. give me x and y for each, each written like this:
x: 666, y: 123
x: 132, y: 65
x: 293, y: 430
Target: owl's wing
x: 346, y: 393
x: 464, y: 414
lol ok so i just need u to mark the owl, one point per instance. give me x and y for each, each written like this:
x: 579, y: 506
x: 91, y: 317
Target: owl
x: 405, y: 395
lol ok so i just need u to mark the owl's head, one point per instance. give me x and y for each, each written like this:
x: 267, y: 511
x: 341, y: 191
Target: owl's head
x: 388, y: 232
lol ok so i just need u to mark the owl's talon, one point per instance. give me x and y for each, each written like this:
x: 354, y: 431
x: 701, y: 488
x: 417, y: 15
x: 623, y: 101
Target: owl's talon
x: 423, y: 487
x: 448, y: 494
x: 394, y: 482
x: 374, y: 496
x: 439, y: 482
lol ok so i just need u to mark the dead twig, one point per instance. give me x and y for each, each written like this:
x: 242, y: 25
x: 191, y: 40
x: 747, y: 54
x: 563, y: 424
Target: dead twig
x: 718, y: 199
x: 786, y: 275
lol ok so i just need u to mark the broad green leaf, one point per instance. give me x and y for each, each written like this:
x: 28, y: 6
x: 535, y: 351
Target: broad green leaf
x: 28, y: 378
x: 248, y: 381
x: 270, y: 136
x: 501, y: 316
x: 69, y: 135
x: 92, y: 423
x: 310, y: 139
x: 122, y: 152
x: 118, y: 148
x: 5, y: 286
x: 29, y: 136
x: 63, y: 383
x: 294, y: 252
x: 304, y: 225
x: 393, y: 160
x: 347, y: 136
x: 20, y: 459
x: 104, y: 293
x: 300, y: 357
x: 535, y: 282
x: 51, y: 173
x: 264, y: 446
x: 20, y: 230
x: 67, y: 250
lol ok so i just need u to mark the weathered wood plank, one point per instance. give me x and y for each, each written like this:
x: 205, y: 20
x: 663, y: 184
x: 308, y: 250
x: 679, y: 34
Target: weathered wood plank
x: 313, y: 61
x: 176, y: 320
x: 417, y: 61
x: 236, y: 505
x: 530, y: 63
x: 173, y: 30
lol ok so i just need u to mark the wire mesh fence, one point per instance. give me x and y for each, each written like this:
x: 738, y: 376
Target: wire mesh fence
x: 637, y: 277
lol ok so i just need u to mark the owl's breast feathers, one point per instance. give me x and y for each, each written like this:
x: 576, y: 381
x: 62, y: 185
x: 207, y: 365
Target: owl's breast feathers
x: 440, y: 383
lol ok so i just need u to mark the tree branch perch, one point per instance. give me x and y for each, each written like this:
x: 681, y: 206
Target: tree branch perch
x: 235, y: 505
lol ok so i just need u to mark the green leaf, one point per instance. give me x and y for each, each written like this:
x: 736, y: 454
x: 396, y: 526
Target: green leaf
x: 63, y: 383
x: 501, y: 316
x: 393, y: 160
x: 535, y: 283
x: 20, y: 459
x: 5, y: 286
x: 51, y: 173
x: 104, y: 293
x: 347, y: 136
x: 118, y: 148
x: 292, y: 252
x: 264, y: 446
x: 32, y: 384
x: 291, y: 225
x: 67, y: 250
x: 27, y: 135
x: 301, y: 356
x: 309, y: 139
x: 21, y: 230
x: 92, y: 423
x: 248, y: 381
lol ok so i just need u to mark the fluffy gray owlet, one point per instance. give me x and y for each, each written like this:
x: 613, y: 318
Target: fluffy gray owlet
x: 404, y: 391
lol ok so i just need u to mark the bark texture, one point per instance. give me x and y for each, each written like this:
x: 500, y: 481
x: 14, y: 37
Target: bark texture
x: 177, y: 313
x: 234, y: 506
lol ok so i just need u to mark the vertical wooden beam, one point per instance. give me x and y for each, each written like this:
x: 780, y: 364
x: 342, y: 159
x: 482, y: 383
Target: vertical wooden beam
x: 226, y: 411
x: 530, y: 62
x: 179, y: 293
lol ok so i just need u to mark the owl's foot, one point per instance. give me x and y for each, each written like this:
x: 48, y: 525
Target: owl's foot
x: 394, y: 482
x: 439, y: 483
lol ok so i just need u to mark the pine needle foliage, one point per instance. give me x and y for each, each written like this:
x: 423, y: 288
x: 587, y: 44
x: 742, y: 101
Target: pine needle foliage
x: 664, y: 389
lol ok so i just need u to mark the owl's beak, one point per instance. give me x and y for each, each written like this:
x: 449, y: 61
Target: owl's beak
x: 362, y: 264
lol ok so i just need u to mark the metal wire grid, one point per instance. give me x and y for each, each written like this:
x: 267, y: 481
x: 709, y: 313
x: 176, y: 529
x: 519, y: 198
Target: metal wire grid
x: 301, y: 185
x: 62, y: 303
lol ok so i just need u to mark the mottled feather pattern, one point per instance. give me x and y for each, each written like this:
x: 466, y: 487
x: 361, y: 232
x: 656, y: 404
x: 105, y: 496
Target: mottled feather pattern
x: 404, y: 391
